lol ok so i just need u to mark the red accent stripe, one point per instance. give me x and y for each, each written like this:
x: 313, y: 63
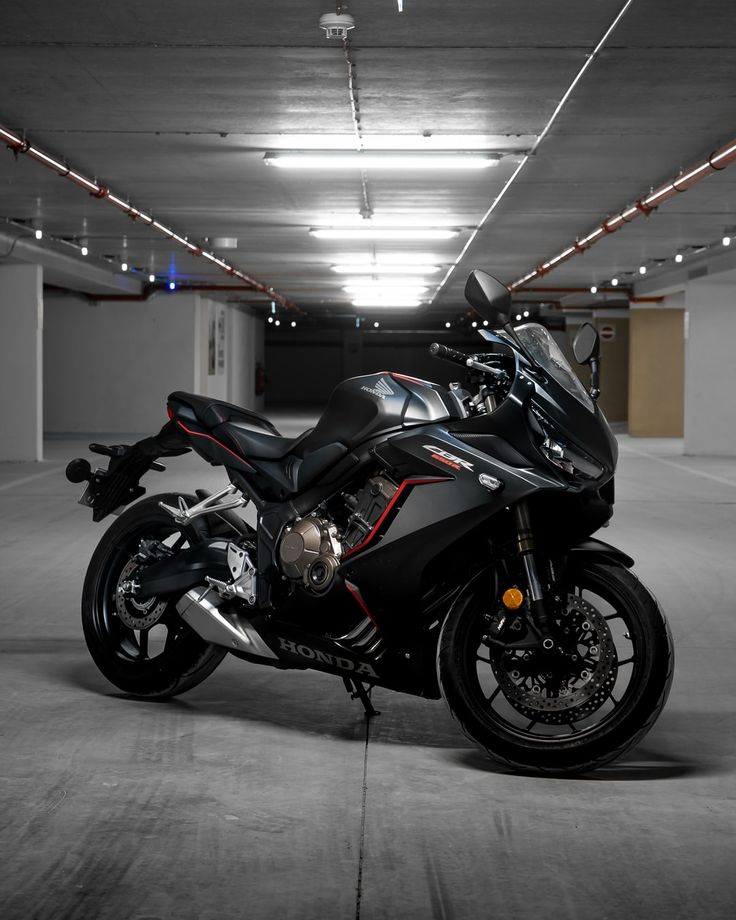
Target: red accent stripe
x: 389, y: 506
x: 359, y: 598
x: 201, y: 434
x: 413, y: 379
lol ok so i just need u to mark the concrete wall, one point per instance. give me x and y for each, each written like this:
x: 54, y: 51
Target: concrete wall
x: 108, y: 367
x: 303, y: 365
x: 656, y: 372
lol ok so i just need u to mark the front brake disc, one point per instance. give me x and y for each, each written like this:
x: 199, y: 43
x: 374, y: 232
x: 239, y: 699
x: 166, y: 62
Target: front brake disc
x: 578, y: 675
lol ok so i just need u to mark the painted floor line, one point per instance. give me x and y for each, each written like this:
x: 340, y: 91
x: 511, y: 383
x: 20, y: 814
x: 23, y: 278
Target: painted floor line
x: 679, y: 466
x: 22, y: 482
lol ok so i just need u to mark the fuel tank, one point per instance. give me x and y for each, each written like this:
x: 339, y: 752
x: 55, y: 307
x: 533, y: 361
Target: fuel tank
x: 361, y: 407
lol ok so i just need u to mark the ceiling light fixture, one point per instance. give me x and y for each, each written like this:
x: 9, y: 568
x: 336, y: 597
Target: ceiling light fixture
x: 381, y: 268
x: 172, y: 285
x: 642, y: 269
x: 447, y: 325
x: 614, y: 282
x: 726, y: 240
x: 387, y: 258
x: 593, y: 289
x: 151, y: 278
x: 38, y: 233
x: 293, y: 324
x: 84, y: 250
x: 379, y: 159
x: 382, y: 302
x: 362, y: 284
x: 124, y: 267
x: 350, y: 233
x: 376, y: 324
x: 679, y: 257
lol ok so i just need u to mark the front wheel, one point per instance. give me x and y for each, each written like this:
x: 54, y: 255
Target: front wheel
x: 145, y: 648
x: 594, y: 696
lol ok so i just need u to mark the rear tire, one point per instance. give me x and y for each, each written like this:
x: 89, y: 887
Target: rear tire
x: 583, y: 727
x: 165, y: 657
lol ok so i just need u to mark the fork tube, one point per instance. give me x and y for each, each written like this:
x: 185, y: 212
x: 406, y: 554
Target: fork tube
x: 525, y: 545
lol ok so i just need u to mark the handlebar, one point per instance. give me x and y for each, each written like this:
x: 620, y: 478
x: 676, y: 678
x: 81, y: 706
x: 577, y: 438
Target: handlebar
x: 466, y: 361
x: 448, y: 354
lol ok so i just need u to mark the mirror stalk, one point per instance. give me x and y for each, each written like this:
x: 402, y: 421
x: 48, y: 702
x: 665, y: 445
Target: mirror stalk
x: 595, y: 389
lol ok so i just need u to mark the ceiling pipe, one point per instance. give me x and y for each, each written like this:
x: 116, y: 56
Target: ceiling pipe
x: 717, y: 161
x: 19, y: 144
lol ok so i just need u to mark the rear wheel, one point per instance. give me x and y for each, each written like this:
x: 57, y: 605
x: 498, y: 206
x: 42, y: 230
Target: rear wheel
x: 142, y: 647
x: 579, y: 706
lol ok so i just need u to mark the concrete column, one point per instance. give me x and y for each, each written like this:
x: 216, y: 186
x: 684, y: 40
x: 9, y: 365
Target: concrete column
x: 656, y: 370
x: 710, y: 382
x: 21, y: 362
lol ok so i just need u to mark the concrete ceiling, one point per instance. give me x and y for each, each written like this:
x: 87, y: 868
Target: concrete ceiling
x: 173, y: 104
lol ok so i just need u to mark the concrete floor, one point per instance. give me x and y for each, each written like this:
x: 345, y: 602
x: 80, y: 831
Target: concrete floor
x: 263, y: 795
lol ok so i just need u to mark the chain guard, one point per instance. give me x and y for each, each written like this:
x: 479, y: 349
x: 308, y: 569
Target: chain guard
x: 136, y: 614
x: 579, y: 677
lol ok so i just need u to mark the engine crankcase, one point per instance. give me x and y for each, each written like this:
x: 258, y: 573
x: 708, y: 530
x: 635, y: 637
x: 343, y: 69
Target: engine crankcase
x: 310, y: 552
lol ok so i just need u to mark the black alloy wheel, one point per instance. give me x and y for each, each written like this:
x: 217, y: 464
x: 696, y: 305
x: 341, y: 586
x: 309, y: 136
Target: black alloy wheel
x: 143, y: 647
x: 573, y: 708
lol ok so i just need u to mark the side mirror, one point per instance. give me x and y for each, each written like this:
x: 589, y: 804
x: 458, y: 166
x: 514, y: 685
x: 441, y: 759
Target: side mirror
x: 489, y: 296
x: 586, y: 347
x: 587, y: 344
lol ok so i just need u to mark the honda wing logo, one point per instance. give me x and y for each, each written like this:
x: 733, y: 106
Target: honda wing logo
x: 382, y: 389
x: 448, y: 459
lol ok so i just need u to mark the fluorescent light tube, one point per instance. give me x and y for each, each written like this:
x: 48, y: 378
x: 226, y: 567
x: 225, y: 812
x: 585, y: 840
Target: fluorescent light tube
x: 380, y: 160
x: 381, y: 268
x: 349, y: 233
x: 374, y: 302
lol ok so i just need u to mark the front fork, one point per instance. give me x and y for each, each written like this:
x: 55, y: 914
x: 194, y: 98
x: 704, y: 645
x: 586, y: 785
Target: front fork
x: 525, y: 546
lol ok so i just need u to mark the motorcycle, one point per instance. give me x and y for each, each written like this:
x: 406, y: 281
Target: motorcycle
x: 432, y: 541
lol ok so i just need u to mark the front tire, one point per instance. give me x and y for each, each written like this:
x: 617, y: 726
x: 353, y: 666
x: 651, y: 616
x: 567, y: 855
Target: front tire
x: 144, y: 649
x: 530, y: 713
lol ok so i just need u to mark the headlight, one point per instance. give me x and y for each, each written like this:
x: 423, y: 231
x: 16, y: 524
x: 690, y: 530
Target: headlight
x: 570, y: 460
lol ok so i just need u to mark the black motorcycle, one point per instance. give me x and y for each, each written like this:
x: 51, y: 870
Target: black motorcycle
x: 432, y: 541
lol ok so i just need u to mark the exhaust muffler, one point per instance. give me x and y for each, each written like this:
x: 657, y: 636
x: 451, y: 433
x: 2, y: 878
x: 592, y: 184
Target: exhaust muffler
x: 201, y: 609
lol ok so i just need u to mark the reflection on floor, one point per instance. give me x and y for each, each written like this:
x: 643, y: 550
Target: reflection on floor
x: 263, y: 794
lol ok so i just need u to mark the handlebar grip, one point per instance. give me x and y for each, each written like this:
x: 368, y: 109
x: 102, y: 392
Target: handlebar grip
x: 448, y: 354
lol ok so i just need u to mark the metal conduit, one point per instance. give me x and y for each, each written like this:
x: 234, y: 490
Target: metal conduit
x: 717, y: 161
x: 19, y: 144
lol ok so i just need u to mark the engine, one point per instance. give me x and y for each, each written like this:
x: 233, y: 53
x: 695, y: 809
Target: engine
x: 311, y: 548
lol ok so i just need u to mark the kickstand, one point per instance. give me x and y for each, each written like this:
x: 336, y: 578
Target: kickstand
x: 357, y: 691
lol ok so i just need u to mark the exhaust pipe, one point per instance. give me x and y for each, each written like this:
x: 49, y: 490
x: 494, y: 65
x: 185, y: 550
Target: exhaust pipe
x: 200, y: 608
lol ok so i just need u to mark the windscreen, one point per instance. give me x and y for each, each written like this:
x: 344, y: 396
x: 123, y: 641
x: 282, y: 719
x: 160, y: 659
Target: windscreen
x: 545, y: 351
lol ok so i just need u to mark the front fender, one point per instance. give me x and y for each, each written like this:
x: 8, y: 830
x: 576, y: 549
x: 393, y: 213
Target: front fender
x: 591, y: 547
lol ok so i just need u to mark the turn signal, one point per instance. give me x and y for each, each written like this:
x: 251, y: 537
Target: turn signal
x: 512, y: 599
